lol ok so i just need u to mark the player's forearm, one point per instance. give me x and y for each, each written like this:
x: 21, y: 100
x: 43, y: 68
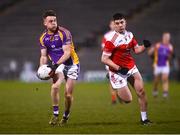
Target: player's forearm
x: 150, y: 51
x: 65, y: 57
x: 109, y: 62
x: 139, y: 49
x: 43, y: 60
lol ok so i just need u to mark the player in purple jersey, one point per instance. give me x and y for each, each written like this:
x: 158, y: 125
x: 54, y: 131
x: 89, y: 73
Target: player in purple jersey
x: 57, y: 46
x: 162, y: 52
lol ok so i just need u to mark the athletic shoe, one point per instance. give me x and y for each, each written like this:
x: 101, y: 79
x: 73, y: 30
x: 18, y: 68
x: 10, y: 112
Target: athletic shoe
x: 64, y: 120
x: 54, y: 120
x: 146, y: 122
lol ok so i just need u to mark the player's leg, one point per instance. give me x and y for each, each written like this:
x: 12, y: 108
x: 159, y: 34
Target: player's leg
x: 119, y: 84
x: 71, y: 75
x: 156, y: 80
x: 111, y: 90
x: 139, y: 87
x: 113, y: 94
x: 57, y: 80
x: 165, y: 80
x: 69, y: 87
x: 165, y: 84
x: 155, y: 85
x: 124, y: 94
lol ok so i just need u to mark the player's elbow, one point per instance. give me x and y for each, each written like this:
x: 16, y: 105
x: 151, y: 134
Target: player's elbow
x: 103, y: 59
x: 43, y: 60
x: 68, y: 54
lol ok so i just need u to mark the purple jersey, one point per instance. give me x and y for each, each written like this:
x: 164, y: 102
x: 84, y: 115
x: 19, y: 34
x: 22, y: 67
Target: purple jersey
x: 162, y: 53
x: 54, y: 42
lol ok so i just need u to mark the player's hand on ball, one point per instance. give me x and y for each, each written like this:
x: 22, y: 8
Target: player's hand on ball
x: 53, y: 69
x: 146, y: 43
x: 123, y: 71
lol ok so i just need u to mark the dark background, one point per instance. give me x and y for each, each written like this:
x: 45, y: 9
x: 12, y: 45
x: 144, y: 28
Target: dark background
x: 21, y: 26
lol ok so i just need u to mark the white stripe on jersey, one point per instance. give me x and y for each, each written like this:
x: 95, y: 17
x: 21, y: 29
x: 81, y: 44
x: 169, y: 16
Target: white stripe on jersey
x: 121, y: 39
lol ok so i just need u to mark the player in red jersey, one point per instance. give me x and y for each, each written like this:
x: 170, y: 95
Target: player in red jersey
x: 116, y: 54
x: 112, y: 92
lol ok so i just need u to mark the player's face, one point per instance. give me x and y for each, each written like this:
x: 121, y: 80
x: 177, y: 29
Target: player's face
x: 166, y: 38
x: 120, y: 25
x: 111, y: 25
x: 50, y: 22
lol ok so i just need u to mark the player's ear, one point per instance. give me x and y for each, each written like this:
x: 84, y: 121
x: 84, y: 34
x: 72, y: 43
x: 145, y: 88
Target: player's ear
x: 125, y: 21
x: 44, y: 22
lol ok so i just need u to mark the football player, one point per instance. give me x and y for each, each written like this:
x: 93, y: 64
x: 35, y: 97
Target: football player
x: 112, y: 92
x: 162, y: 53
x: 56, y: 44
x: 116, y: 54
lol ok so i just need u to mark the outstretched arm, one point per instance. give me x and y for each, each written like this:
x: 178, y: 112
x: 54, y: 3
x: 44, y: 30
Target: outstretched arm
x: 139, y: 49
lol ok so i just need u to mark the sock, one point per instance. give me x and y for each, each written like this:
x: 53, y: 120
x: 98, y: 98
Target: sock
x: 55, y: 110
x: 143, y: 116
x: 113, y: 97
x: 155, y: 93
x: 165, y: 94
x: 66, y: 114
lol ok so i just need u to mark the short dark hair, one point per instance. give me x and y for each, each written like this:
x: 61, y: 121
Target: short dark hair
x: 118, y: 16
x: 49, y: 13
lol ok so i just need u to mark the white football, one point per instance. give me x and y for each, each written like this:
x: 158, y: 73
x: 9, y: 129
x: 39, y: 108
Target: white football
x: 43, y: 72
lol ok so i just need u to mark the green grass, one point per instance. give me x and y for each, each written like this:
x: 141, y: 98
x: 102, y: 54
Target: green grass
x: 26, y: 108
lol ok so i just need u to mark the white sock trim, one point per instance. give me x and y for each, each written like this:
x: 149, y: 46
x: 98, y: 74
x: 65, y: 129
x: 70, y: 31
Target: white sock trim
x: 143, y: 116
x: 56, y: 112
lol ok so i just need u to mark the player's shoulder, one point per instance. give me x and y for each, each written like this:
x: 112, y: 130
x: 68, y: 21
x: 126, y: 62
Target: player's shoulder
x: 43, y: 34
x: 111, y: 35
x: 170, y: 46
x: 107, y: 34
x: 65, y: 30
x: 157, y: 45
x: 129, y: 34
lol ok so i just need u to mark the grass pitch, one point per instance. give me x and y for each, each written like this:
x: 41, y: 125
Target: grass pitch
x: 26, y: 108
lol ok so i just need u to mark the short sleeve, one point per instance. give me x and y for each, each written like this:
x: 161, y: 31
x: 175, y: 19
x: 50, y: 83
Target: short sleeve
x: 67, y: 38
x: 103, y: 42
x: 41, y: 42
x: 108, y: 48
x: 134, y: 42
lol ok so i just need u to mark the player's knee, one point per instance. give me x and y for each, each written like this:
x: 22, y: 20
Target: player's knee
x: 128, y: 101
x: 141, y: 92
x: 164, y: 80
x: 55, y: 87
x: 68, y: 96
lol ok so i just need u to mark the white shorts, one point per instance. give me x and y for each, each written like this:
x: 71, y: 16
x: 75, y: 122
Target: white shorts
x: 69, y: 71
x: 118, y: 81
x: 107, y: 67
x: 161, y: 70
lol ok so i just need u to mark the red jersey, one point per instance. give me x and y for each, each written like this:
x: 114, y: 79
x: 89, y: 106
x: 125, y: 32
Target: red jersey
x: 118, y: 47
x: 104, y: 39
